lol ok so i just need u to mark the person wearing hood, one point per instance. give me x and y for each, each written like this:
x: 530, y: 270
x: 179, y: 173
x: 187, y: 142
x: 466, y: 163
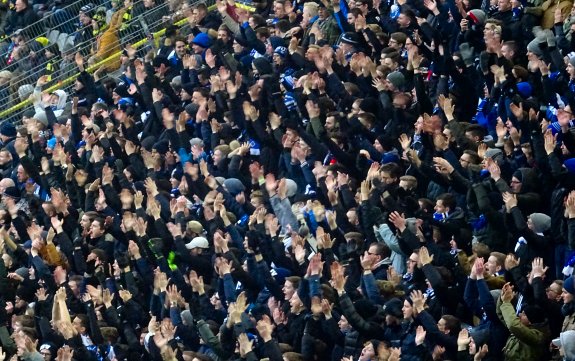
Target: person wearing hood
x: 566, y: 344
x: 530, y: 234
x: 523, y: 184
x: 451, y: 221
x: 529, y: 331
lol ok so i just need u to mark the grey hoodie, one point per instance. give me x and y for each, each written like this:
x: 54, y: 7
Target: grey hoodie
x: 568, y: 344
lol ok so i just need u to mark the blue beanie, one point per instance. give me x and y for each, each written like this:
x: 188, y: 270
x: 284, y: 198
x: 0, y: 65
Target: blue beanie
x: 203, y: 40
x: 570, y: 165
x: 281, y: 51
x: 8, y: 130
x: 524, y: 89
x: 569, y: 285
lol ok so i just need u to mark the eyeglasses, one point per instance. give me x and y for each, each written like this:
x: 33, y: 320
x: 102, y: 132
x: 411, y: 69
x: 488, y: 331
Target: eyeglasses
x: 411, y: 260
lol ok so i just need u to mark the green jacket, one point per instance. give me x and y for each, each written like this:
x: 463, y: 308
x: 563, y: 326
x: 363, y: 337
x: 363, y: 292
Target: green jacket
x: 524, y: 342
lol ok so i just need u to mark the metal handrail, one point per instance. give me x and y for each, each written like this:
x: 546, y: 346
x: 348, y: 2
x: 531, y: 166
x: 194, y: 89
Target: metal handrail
x: 14, y: 113
x: 71, y: 23
x: 31, y: 76
x: 73, y: 8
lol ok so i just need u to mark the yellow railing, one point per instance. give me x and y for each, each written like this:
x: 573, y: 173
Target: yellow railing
x: 96, y: 66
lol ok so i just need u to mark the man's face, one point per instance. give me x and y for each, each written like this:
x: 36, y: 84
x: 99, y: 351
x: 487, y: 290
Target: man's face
x: 363, y: 7
x: 311, y: 54
x: 412, y: 263
x: 372, y: 251
x: 330, y: 123
x: 5, y: 157
x: 126, y: 197
x: 223, y: 36
x: 85, y: 222
x: 387, y: 178
x: 403, y: 21
x: 407, y: 310
x: 388, y: 62
x: 507, y: 52
x: 84, y: 19
x: 351, y: 19
x: 492, y: 266
x: 197, y: 97
x: 74, y: 287
x: 566, y: 296
x: 180, y: 49
x: 515, y: 185
x: 323, y: 13
x: 96, y: 229
x: 21, y: 174
x: 554, y: 292
x: 237, y: 47
x: 217, y: 156
x: 441, y: 325
x: 288, y: 290
x: 439, y: 207
x: 295, y: 303
x: 503, y: 5
x: 279, y: 10
x: 352, y: 217
x: 19, y: 6
x: 571, y: 70
x: 394, y: 44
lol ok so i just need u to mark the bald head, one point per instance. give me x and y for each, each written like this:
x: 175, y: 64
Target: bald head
x: 5, y: 183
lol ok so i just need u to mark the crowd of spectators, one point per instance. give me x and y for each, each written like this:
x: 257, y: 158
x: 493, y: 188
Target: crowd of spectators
x: 41, y: 38
x: 344, y: 180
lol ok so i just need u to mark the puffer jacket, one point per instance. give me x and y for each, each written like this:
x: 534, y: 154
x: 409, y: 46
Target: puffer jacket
x: 524, y: 342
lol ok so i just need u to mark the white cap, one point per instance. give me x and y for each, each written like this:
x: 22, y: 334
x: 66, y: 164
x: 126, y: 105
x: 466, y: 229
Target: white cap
x: 198, y: 242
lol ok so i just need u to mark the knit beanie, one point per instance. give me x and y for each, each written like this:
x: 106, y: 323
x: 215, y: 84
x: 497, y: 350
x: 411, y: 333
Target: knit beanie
x: 569, y: 285
x: 570, y: 165
x: 478, y: 16
x: 397, y: 79
x: 393, y: 307
x: 541, y: 222
x: 203, y: 40
x: 535, y: 47
x: 534, y: 313
x: 480, y: 336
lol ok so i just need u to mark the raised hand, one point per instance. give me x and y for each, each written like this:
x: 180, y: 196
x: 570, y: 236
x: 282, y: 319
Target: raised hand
x: 538, y: 269
x: 420, y: 335
x: 424, y: 257
x: 463, y: 339
x: 511, y: 262
x: 246, y: 345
